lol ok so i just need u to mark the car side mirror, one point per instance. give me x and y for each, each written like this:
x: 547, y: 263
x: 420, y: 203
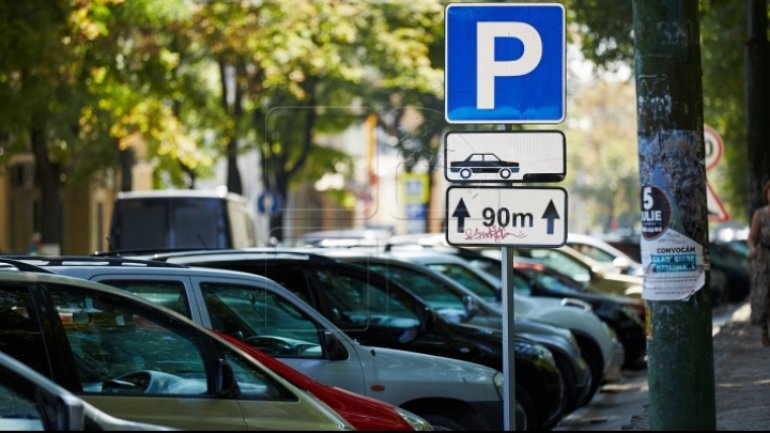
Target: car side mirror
x: 335, y: 350
x: 225, y: 385
x: 67, y: 413
x: 621, y: 263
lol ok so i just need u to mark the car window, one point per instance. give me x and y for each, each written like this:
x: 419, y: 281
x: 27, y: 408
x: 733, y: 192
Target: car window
x: 356, y: 304
x: 198, y: 222
x: 253, y: 383
x: 521, y: 285
x: 468, y: 279
x: 593, y: 252
x: 119, y: 351
x: 292, y: 279
x: 562, y: 263
x: 17, y: 411
x: 170, y: 294
x: 20, y: 335
x: 440, y: 297
x: 263, y: 319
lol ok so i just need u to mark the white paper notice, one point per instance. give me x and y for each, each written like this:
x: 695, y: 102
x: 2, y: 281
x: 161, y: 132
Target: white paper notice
x: 673, y: 267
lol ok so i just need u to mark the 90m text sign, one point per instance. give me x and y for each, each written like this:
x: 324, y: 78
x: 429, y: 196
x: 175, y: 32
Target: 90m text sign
x: 505, y: 216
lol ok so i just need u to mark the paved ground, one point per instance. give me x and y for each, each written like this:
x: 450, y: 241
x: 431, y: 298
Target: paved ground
x: 741, y: 373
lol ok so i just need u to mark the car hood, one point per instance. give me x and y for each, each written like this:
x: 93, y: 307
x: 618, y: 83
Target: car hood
x: 569, y: 313
x: 392, y: 369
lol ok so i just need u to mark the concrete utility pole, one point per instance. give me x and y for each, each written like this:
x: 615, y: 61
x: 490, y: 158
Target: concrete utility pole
x: 757, y: 103
x: 674, y: 214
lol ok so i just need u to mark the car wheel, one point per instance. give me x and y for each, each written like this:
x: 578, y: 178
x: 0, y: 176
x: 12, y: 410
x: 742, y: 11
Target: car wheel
x: 505, y: 173
x: 465, y: 173
x: 593, y: 357
x: 442, y: 423
x: 526, y: 412
x: 568, y: 376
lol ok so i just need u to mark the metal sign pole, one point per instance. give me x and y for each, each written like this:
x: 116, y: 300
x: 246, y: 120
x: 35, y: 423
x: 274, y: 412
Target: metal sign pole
x: 509, y: 358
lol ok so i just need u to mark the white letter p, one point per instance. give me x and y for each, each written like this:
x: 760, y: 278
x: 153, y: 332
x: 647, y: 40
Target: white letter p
x: 486, y: 66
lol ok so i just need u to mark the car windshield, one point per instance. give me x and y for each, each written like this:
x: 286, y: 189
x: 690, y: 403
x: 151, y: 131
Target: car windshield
x: 467, y: 278
x: 441, y: 298
x: 553, y: 281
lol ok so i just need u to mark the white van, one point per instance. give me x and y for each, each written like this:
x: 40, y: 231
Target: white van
x: 180, y: 219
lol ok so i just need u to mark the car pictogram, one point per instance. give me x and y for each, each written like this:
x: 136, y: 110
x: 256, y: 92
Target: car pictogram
x: 483, y: 163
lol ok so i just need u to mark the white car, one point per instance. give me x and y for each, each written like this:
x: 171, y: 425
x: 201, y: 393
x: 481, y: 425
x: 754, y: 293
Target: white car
x: 603, y: 252
x: 573, y: 314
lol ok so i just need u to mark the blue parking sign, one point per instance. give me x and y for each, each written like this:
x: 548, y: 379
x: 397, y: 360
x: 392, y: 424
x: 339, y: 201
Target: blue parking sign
x: 505, y: 63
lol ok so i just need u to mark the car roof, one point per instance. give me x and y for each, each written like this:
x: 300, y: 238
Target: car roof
x: 179, y: 193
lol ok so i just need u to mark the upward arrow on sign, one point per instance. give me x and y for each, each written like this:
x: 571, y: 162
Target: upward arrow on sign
x: 550, y: 215
x: 461, y: 212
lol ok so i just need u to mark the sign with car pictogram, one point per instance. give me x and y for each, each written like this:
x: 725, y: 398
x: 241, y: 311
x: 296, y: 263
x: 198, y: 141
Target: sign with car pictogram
x: 505, y: 63
x: 521, y: 217
x: 523, y: 156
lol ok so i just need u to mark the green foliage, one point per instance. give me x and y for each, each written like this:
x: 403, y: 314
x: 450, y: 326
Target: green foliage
x: 603, y: 28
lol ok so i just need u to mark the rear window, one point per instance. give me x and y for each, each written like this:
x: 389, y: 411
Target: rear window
x: 169, y: 223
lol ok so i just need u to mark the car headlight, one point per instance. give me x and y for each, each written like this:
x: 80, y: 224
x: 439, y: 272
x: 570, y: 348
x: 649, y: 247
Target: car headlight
x: 417, y: 423
x: 499, y: 381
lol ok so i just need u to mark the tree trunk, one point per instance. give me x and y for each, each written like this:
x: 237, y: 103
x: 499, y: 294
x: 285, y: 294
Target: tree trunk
x: 672, y: 178
x: 757, y: 103
x: 47, y: 176
x: 234, y: 109
x: 126, y: 166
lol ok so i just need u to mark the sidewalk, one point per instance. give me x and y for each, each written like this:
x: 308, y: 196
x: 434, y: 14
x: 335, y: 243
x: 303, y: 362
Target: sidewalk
x: 741, y: 375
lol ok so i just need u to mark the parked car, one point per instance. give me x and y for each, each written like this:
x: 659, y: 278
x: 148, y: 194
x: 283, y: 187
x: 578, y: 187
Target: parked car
x: 362, y: 412
x: 272, y: 319
x: 137, y: 361
x: 177, y: 219
x: 732, y: 260
x: 30, y: 401
x: 624, y: 314
x: 601, y: 350
x: 457, y: 304
x: 603, y: 252
x: 379, y: 312
x: 729, y: 280
x: 599, y: 276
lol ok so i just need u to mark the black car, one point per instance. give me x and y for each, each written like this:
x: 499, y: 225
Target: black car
x: 729, y: 266
x: 452, y: 301
x: 379, y: 312
x: 732, y: 259
x: 624, y: 314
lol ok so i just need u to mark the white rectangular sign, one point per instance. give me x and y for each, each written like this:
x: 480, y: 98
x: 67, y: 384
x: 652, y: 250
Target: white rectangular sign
x: 521, y: 156
x: 506, y: 216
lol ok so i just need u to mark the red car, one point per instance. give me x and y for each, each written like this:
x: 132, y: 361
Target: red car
x: 364, y: 413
